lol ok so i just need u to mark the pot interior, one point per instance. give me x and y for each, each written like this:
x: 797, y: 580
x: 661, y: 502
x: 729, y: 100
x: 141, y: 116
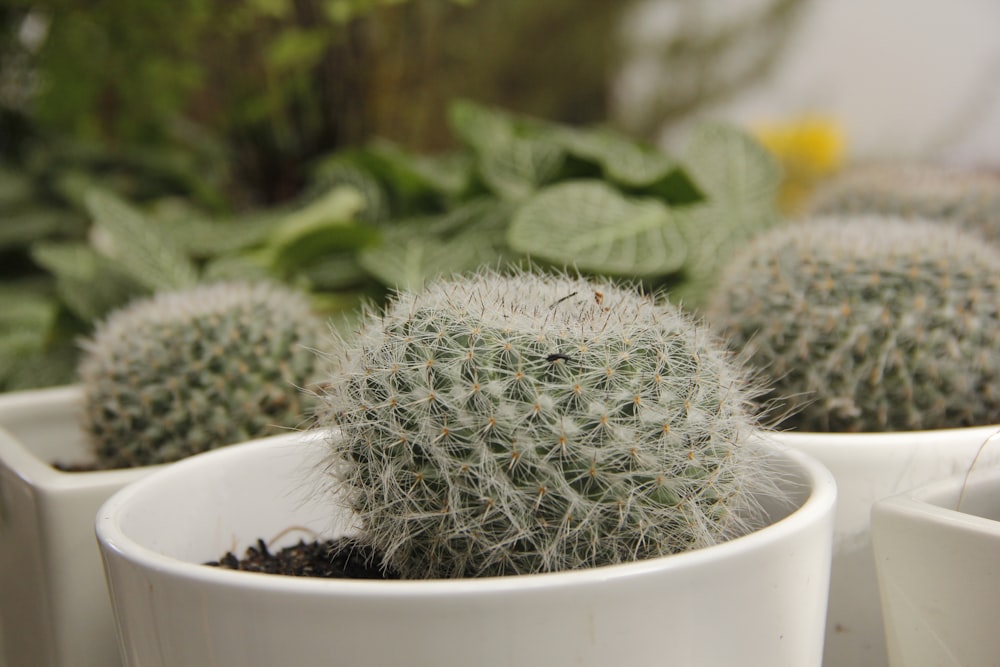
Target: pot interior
x: 265, y: 492
x: 45, y: 423
x: 197, y: 510
x: 976, y: 493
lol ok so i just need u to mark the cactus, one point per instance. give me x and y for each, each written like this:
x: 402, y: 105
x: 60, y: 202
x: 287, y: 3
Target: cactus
x: 186, y: 371
x: 968, y: 197
x: 869, y: 323
x: 496, y: 425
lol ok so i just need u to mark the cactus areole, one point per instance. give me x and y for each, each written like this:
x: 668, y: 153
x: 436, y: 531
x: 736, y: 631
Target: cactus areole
x: 499, y: 425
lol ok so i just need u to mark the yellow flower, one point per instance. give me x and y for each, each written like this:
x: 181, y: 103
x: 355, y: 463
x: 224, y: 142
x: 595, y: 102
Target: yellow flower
x: 810, y: 148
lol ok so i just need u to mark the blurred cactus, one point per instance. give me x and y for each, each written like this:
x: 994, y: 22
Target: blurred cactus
x: 869, y: 323
x: 912, y: 190
x: 501, y: 425
x: 186, y: 371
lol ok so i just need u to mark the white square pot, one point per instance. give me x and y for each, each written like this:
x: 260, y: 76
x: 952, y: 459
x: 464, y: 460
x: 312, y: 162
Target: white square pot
x: 869, y: 467
x: 758, y: 600
x: 54, y: 607
x: 937, y: 550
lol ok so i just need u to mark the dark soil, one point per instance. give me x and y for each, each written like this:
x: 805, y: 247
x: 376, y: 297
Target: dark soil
x: 79, y: 467
x: 330, y: 559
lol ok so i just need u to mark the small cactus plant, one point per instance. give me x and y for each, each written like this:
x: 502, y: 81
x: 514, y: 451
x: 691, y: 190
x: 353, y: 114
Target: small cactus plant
x: 869, y: 323
x: 496, y: 425
x: 183, y: 372
x: 965, y: 196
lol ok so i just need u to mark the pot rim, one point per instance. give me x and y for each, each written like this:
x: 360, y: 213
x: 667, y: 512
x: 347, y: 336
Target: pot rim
x: 941, y: 501
x: 38, y: 472
x: 816, y: 480
x: 882, y: 439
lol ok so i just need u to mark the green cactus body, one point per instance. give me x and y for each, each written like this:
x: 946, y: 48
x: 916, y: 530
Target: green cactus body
x: 968, y: 197
x: 869, y: 323
x: 183, y: 372
x: 506, y: 425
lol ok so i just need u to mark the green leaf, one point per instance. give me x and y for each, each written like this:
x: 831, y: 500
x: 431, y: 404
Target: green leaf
x: 26, y: 319
x: 515, y: 155
x: 729, y: 166
x: 16, y: 189
x: 339, y: 206
x: 137, y: 245
x: 250, y: 266
x: 592, y: 226
x: 203, y: 237
x: 415, y: 251
x: 338, y: 171
x: 324, y: 226
x: 28, y: 369
x: 86, y: 283
x: 448, y: 174
x: 23, y: 226
x: 335, y: 272
x: 622, y: 159
x: 740, y: 180
x: 295, y: 49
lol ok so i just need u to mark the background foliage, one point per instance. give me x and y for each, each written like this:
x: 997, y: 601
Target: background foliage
x: 147, y: 146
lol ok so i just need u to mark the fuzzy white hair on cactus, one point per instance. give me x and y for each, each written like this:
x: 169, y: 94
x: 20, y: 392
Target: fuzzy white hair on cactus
x: 184, y: 371
x: 507, y: 424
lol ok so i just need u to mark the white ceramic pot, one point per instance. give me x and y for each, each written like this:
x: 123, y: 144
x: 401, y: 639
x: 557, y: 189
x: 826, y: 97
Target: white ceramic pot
x: 936, y: 550
x: 869, y: 467
x: 757, y: 600
x: 54, y: 608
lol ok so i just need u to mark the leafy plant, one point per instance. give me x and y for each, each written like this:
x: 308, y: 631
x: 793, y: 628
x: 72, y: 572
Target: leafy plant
x: 589, y: 198
x: 379, y: 218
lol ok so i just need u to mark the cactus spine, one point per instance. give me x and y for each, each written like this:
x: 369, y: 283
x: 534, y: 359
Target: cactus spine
x: 182, y: 372
x: 869, y: 323
x: 502, y: 425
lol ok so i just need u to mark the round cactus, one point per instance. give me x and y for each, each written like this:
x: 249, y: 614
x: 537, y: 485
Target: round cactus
x: 968, y: 197
x: 500, y: 425
x: 869, y: 324
x: 183, y: 372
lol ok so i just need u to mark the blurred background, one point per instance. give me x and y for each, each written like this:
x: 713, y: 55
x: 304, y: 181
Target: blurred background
x: 215, y: 131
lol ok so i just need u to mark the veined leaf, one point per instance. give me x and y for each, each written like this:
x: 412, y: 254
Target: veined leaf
x: 23, y: 226
x: 517, y: 169
x: 26, y: 320
x: 339, y: 171
x: 729, y: 165
x: 143, y: 251
x: 325, y: 226
x: 622, y: 159
x: 203, y: 237
x: 28, y: 369
x: 86, y: 283
x: 250, y: 266
x: 515, y: 155
x: 415, y: 251
x: 448, y: 174
x: 591, y: 226
x: 339, y: 206
x: 740, y: 180
x: 335, y: 272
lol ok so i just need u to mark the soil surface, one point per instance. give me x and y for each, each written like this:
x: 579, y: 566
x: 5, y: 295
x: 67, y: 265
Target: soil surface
x: 62, y: 466
x: 330, y: 559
